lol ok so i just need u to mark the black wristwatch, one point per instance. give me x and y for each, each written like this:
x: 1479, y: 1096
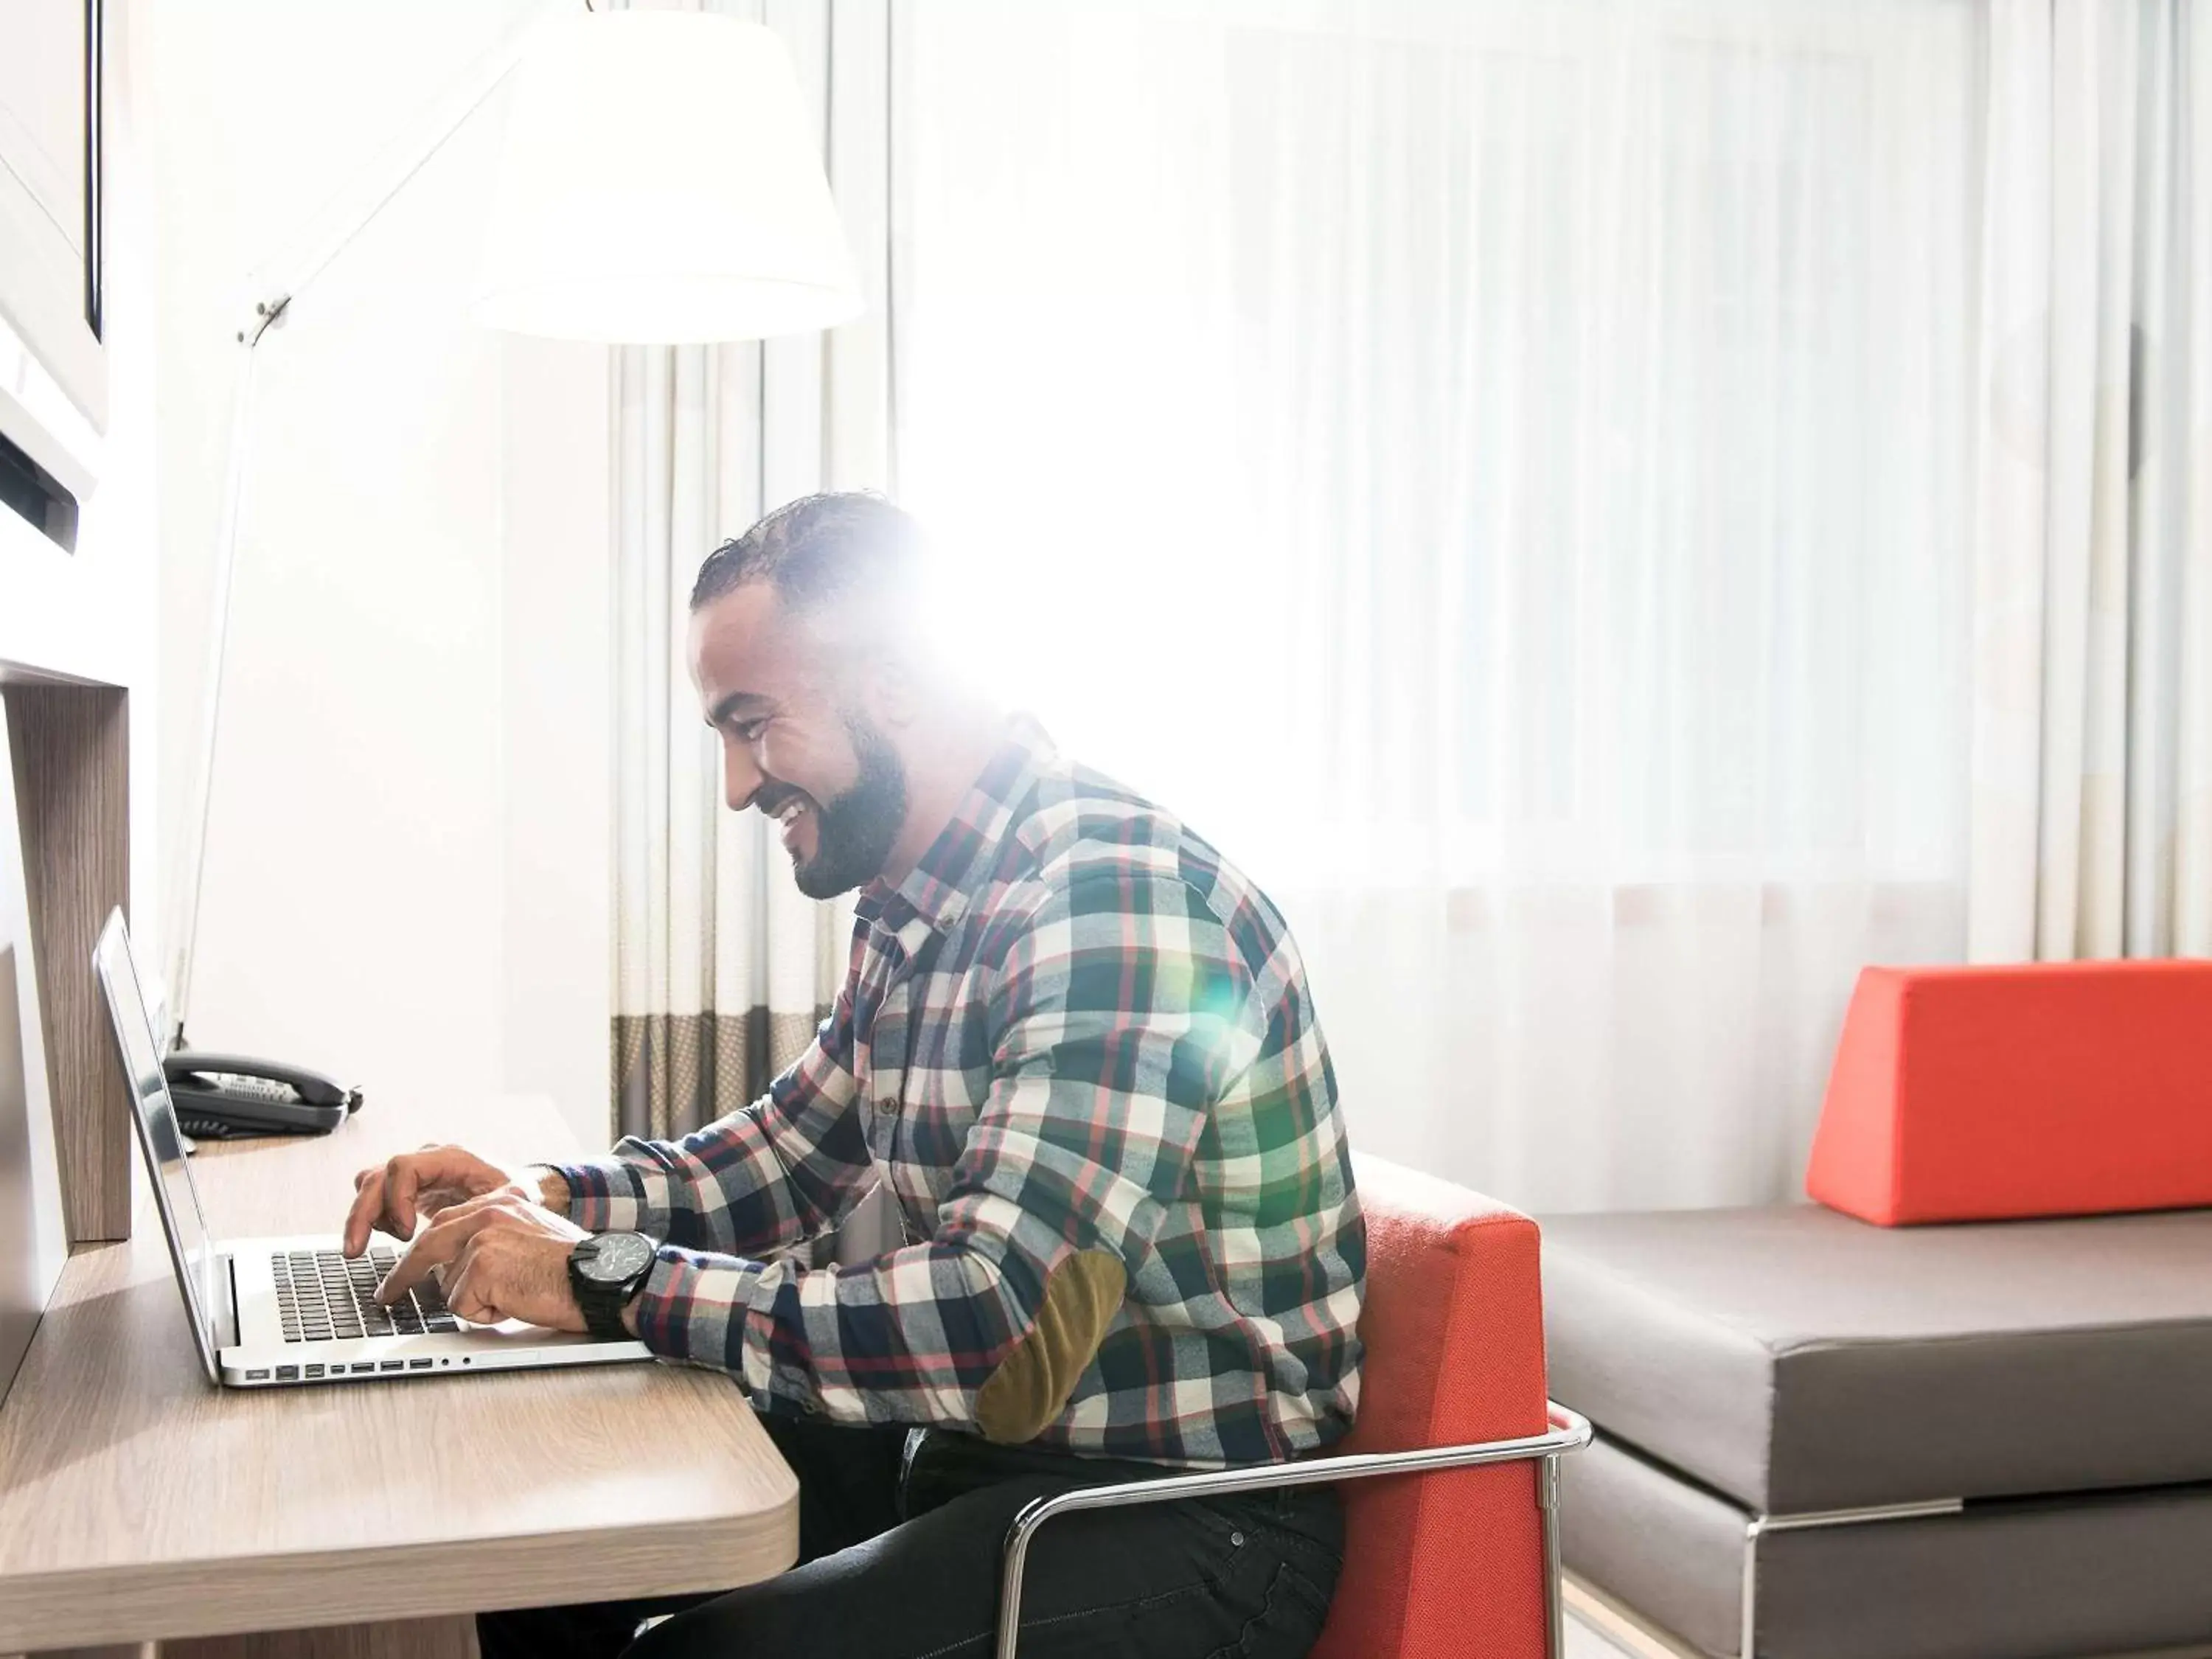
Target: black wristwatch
x: 605, y: 1271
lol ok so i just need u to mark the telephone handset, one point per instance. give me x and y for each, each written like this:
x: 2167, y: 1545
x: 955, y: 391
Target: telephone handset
x: 232, y: 1096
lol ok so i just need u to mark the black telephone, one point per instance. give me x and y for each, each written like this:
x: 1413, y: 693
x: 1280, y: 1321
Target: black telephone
x: 232, y: 1098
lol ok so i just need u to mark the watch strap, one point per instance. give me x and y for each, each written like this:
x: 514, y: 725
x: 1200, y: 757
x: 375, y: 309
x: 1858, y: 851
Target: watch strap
x: 602, y: 1303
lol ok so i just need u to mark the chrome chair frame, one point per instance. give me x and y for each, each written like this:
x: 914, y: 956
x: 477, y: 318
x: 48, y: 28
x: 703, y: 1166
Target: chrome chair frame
x: 1570, y: 1432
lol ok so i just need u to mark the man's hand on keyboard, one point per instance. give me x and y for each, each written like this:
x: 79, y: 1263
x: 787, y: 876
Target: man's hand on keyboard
x: 392, y: 1197
x: 500, y: 1256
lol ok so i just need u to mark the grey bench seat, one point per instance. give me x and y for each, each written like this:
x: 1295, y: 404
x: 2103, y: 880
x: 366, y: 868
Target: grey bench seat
x: 1795, y: 1359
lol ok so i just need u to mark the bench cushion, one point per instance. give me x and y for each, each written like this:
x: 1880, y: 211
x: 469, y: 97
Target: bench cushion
x: 2051, y: 1089
x: 2121, y: 1572
x: 1796, y: 1359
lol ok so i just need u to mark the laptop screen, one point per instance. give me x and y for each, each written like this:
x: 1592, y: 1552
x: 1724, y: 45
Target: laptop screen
x: 159, y: 1138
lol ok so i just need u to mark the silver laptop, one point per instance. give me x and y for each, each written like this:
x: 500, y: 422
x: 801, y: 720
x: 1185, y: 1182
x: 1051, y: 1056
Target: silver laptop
x: 272, y: 1312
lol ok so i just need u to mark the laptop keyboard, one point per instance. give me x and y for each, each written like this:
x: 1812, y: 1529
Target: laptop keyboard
x: 322, y: 1297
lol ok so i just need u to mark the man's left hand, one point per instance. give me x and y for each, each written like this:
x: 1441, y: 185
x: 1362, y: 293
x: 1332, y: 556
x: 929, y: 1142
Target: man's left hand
x: 499, y: 1257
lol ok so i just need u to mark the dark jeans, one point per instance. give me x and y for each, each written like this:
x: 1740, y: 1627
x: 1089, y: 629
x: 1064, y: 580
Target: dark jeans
x: 899, y: 1552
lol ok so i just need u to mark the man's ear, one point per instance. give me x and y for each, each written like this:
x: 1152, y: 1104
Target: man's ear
x: 895, y: 681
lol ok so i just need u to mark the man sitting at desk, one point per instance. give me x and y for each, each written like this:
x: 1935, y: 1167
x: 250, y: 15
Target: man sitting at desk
x: 1079, y: 1049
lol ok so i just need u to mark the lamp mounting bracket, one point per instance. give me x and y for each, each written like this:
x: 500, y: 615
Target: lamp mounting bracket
x: 267, y: 314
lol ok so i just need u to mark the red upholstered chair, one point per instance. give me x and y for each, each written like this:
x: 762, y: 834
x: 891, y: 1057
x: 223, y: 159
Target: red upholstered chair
x: 1970, y: 1094
x: 1461, y: 1561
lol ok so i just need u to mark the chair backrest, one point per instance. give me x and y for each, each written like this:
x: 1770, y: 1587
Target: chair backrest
x: 1450, y: 1564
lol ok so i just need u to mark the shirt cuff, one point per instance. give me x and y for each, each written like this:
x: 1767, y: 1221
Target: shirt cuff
x: 694, y: 1307
x: 604, y: 1198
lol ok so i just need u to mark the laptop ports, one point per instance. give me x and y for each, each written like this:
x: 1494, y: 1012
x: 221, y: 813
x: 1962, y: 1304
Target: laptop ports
x: 418, y: 1364
x: 261, y: 1376
x: 393, y: 1365
x: 366, y: 1369
x: 312, y: 1372
x: 288, y: 1373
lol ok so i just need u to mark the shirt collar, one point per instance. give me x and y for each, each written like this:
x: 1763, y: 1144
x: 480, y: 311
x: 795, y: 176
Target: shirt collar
x: 940, y: 888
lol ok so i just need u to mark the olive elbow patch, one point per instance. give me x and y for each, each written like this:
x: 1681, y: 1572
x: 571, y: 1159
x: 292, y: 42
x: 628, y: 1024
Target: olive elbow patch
x: 1032, y: 1386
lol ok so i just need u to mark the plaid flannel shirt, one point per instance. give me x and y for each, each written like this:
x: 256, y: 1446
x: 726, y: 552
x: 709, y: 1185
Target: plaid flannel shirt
x: 1073, y: 1034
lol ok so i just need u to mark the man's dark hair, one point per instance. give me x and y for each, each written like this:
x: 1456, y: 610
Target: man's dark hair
x: 847, y: 550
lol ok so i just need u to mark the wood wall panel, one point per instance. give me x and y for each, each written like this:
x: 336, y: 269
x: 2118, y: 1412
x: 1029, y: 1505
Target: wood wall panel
x: 72, y: 752
x: 413, y: 1638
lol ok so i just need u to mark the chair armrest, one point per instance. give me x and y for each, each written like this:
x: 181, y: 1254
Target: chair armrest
x: 1570, y: 1432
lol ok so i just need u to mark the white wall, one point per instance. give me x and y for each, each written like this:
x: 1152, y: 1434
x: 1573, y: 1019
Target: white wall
x: 556, y: 826
x: 92, y: 613
x: 407, y: 878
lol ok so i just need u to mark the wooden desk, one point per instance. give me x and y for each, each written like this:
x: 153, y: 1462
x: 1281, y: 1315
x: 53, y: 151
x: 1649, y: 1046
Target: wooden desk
x: 137, y: 1501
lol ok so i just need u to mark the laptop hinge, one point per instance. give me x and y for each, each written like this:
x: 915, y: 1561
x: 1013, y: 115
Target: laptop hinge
x: 225, y: 1317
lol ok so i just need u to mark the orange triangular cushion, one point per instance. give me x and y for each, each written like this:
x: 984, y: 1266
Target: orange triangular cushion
x: 1963, y: 1094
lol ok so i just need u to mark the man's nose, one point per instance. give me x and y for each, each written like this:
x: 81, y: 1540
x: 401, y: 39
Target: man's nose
x: 741, y: 779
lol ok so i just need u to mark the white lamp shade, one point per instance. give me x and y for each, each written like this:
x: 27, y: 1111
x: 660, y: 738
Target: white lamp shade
x: 661, y: 184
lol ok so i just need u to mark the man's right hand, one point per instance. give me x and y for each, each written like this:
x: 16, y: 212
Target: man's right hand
x: 392, y: 1196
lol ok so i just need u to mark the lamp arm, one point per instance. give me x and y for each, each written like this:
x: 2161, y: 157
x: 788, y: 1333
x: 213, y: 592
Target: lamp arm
x: 278, y: 285
x: 352, y: 210
x: 193, y: 866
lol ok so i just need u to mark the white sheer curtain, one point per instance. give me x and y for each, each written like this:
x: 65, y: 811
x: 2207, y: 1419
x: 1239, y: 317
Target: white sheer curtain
x: 1502, y: 472
x: 2092, y: 669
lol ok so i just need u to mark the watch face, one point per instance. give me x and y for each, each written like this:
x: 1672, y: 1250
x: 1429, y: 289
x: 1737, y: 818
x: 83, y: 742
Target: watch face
x: 619, y: 1256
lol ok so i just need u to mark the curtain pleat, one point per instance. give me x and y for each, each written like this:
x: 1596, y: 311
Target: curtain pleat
x: 723, y: 969
x: 2091, y: 763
